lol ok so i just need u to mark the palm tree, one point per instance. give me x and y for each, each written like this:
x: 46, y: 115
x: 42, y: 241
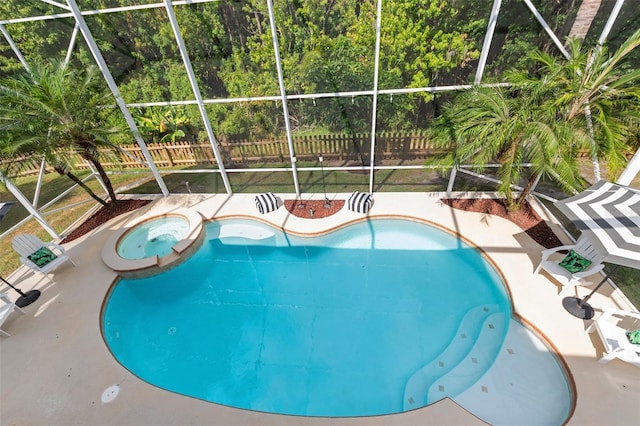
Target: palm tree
x: 502, y: 125
x: 53, y: 111
x: 588, y: 102
x: 592, y: 90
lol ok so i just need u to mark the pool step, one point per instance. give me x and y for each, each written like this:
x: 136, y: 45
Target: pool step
x: 469, y: 331
x: 249, y: 232
x: 476, y: 363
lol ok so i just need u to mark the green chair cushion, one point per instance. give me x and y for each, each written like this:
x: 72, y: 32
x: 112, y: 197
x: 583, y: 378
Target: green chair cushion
x: 634, y: 336
x: 42, y: 256
x: 573, y: 262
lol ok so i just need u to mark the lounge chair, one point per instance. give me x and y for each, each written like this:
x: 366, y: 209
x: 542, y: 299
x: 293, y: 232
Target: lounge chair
x: 570, y: 269
x: 40, y: 256
x: 5, y: 311
x: 612, y: 327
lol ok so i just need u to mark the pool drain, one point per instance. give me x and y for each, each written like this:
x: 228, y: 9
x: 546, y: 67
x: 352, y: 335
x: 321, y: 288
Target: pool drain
x: 110, y: 394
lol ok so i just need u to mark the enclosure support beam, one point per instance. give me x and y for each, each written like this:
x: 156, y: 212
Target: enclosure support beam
x: 452, y: 180
x: 196, y: 92
x: 587, y: 110
x: 15, y: 49
x: 488, y: 38
x: 547, y: 28
x: 312, y: 96
x: 36, y: 195
x: 376, y: 66
x: 594, y: 157
x: 55, y: 3
x: 283, y: 97
x: 631, y: 171
x: 72, y: 43
x: 95, y: 174
x: 610, y: 21
x: 27, y: 205
x: 102, y: 65
x: 535, y: 184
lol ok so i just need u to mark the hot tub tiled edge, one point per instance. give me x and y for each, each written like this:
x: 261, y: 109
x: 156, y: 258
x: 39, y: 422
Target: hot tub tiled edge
x: 139, y: 268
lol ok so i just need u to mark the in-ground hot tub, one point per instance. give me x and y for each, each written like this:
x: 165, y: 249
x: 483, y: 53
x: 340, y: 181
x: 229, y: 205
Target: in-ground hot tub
x: 154, y: 243
x: 153, y: 237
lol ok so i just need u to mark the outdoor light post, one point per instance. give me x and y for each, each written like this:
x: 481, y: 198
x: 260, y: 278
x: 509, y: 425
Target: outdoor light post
x: 327, y: 202
x: 25, y: 299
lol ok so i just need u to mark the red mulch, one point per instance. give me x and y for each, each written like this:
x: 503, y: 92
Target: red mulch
x: 526, y: 218
x: 104, y: 215
x: 302, y: 208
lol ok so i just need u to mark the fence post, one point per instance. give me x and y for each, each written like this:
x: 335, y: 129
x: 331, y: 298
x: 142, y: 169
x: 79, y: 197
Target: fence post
x: 169, y: 157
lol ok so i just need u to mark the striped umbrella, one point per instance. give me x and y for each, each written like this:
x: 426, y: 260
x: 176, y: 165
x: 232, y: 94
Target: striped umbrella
x: 609, y: 216
x: 4, y: 208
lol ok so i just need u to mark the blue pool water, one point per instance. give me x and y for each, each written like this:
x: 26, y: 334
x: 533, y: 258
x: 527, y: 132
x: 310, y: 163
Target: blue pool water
x: 155, y: 237
x: 365, y: 320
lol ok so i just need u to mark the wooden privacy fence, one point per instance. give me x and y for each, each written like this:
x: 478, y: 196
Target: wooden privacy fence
x: 389, y: 146
x: 405, y: 146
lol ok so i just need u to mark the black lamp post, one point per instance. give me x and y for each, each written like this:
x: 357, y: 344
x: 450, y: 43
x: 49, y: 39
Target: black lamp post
x: 25, y: 299
x: 327, y: 202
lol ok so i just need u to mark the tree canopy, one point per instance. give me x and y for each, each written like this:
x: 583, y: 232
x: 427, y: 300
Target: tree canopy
x: 52, y: 111
x: 325, y: 47
x: 588, y: 102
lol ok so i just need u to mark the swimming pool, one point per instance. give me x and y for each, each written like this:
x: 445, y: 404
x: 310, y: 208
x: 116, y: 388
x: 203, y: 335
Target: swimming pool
x: 380, y: 317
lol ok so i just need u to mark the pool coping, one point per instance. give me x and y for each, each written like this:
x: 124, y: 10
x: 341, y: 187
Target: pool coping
x: 72, y: 365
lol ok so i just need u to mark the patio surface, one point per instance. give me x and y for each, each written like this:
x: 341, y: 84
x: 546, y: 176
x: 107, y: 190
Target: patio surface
x: 55, y: 366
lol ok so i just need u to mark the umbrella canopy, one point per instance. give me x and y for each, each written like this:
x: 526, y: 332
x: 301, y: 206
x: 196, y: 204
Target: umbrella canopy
x: 609, y: 215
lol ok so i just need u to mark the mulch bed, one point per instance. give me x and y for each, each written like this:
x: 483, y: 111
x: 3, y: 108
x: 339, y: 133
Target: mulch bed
x: 526, y: 218
x: 304, y: 209
x: 104, y: 215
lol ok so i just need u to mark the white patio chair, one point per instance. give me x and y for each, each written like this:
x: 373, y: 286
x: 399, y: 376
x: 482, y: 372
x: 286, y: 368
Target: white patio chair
x: 5, y: 311
x: 551, y: 263
x: 40, y: 256
x: 612, y: 327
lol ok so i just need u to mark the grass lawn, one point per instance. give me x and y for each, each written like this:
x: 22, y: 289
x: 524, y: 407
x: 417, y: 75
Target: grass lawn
x: 408, y: 180
x: 74, y: 205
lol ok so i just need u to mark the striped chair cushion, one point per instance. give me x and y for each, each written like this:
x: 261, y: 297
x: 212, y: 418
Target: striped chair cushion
x: 360, y: 202
x: 266, y: 202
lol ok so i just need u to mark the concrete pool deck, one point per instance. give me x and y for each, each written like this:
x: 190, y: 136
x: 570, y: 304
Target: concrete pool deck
x: 55, y: 366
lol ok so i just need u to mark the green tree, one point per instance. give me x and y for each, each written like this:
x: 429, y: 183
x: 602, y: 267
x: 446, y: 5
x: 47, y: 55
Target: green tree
x: 55, y: 111
x: 49, y: 38
x: 587, y: 102
x: 593, y: 89
x: 506, y: 126
x: 167, y: 124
